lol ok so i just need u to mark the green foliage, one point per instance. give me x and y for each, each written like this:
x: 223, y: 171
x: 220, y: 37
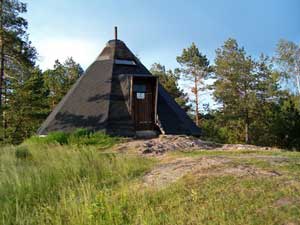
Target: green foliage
x: 78, y: 137
x: 60, y: 79
x: 22, y: 152
x: 235, y: 84
x: 248, y: 92
x: 19, y: 85
x: 17, y: 50
x: 288, y: 58
x: 26, y: 109
x: 58, y: 137
x: 216, y: 128
x: 29, y: 103
x: 192, y: 59
x: 275, y: 124
x: 286, y: 125
x: 195, y: 68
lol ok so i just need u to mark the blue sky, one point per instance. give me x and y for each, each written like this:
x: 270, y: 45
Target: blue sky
x: 158, y: 30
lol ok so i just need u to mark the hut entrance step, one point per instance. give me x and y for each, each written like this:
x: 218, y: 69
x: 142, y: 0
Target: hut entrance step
x: 146, y: 134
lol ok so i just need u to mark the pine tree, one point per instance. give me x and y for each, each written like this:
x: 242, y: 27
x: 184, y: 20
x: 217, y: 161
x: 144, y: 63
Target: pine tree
x: 27, y: 107
x: 266, y: 100
x: 195, y: 68
x: 234, y: 85
x: 17, y: 56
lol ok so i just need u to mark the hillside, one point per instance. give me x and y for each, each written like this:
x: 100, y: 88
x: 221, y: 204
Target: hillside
x: 94, y: 179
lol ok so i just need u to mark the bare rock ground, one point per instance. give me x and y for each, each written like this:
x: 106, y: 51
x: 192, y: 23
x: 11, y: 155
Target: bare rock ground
x: 171, y: 171
x: 165, y: 143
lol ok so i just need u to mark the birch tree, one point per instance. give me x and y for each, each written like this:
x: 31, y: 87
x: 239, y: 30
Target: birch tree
x: 288, y: 57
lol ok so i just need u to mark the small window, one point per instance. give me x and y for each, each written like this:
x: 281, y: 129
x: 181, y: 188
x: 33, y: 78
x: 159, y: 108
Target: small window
x: 140, y: 95
x: 139, y: 88
x: 125, y: 62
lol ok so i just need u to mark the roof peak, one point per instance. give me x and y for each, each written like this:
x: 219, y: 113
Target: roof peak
x: 115, y: 41
x: 116, y: 49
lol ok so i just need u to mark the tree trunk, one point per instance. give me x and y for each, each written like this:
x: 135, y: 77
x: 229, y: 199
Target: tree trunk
x: 246, y: 133
x: 247, y: 127
x: 1, y: 55
x: 196, y: 100
x: 2, y: 84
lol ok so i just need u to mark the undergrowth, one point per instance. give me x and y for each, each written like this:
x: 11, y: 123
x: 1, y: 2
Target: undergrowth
x: 79, y: 137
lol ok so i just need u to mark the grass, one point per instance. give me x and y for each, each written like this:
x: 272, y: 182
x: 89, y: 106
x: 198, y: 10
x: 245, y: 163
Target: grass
x: 80, y: 137
x: 218, y: 200
x: 72, y: 180
x: 37, y: 180
x: 197, y: 153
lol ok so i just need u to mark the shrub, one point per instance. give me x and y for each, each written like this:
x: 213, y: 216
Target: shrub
x: 57, y: 137
x: 78, y: 137
x: 52, y: 138
x: 22, y: 152
x: 81, y: 133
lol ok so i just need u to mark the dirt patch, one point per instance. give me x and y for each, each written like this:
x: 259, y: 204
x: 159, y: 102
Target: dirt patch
x: 248, y: 171
x: 164, y: 143
x: 287, y: 201
x: 170, y: 172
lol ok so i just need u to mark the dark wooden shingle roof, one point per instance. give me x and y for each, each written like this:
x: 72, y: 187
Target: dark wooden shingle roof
x: 98, y: 100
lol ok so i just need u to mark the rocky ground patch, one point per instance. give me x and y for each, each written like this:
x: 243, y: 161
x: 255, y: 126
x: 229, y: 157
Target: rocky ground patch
x: 173, y: 167
x: 165, y: 143
x: 173, y: 170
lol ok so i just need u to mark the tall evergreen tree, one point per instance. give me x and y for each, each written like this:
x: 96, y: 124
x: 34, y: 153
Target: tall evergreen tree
x: 17, y: 56
x: 195, y: 68
x: 169, y: 80
x: 234, y: 85
x: 267, y: 98
x: 27, y: 107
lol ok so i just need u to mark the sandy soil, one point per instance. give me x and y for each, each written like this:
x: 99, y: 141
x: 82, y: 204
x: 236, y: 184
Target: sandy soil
x: 173, y: 167
x: 170, y: 171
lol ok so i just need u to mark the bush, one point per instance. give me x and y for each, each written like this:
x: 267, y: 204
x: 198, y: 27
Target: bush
x: 22, y: 152
x: 52, y: 138
x: 81, y: 133
x: 78, y: 137
x: 57, y: 137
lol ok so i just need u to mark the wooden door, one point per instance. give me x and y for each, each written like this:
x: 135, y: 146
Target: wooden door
x: 143, y: 105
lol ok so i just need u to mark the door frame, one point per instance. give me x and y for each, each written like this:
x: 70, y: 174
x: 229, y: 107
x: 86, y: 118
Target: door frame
x: 154, y: 81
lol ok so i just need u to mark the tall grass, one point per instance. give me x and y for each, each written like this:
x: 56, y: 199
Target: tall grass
x: 212, y: 200
x: 61, y: 180
x: 49, y: 184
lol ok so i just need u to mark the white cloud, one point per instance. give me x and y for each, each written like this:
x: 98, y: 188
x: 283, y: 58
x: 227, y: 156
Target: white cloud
x: 83, y: 51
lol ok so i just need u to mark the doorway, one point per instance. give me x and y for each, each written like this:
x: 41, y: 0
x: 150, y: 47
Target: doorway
x: 144, y: 102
